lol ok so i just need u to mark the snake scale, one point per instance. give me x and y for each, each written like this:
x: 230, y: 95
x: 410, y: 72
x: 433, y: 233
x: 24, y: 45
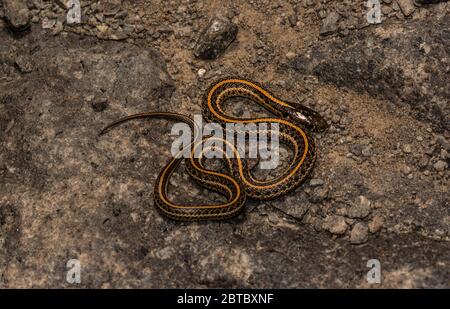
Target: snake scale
x: 295, y: 122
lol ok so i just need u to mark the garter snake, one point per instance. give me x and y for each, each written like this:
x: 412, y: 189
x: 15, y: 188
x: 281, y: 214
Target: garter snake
x: 295, y: 122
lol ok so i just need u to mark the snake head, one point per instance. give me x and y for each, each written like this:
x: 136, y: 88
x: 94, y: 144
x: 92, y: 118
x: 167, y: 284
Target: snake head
x: 306, y: 117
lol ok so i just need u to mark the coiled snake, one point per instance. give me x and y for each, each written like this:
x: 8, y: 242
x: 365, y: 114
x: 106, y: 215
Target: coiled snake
x: 295, y: 122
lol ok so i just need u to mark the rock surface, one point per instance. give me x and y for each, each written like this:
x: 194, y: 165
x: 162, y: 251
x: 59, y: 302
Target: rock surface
x: 380, y: 180
x: 408, y: 66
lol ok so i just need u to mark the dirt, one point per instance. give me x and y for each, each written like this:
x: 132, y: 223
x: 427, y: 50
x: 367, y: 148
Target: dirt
x: 379, y: 189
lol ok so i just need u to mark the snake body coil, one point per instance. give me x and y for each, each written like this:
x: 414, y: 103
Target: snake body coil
x: 294, y: 120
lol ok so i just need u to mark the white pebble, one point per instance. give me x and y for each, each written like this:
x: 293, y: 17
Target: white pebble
x: 201, y: 72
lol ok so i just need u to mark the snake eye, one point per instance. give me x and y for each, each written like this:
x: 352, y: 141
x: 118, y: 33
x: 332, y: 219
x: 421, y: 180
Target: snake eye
x: 308, y: 118
x: 301, y: 117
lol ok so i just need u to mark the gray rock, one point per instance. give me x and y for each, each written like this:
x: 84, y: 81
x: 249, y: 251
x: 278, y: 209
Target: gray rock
x: 440, y: 166
x: 407, y: 148
x: 215, y: 38
x: 17, y: 14
x: 360, y: 209
x: 294, y: 206
x: 110, y: 7
x: 290, y: 55
x: 441, y: 140
x: 318, y: 195
x: 100, y: 104
x: 376, y: 224
x: 330, y: 24
x: 356, y: 149
x: 423, y: 162
x: 407, y: 6
x: 359, y: 234
x: 335, y: 225
x: 48, y: 23
x: 316, y: 182
x: 406, y: 170
x: 367, y: 151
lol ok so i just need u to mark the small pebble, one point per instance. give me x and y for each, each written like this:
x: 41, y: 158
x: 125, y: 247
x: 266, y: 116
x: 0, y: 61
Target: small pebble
x: 201, y: 72
x: 376, y: 224
x: 406, y: 170
x: 367, y: 151
x: 335, y: 225
x: 99, y: 104
x: 407, y: 148
x: 423, y: 162
x: 359, y: 234
x: 440, y: 166
x: 330, y: 24
x: 316, y: 182
x: 290, y: 55
x: 360, y: 209
x: 215, y: 38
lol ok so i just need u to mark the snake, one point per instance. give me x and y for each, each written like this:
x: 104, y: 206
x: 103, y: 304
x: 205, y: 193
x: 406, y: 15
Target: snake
x: 296, y: 123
